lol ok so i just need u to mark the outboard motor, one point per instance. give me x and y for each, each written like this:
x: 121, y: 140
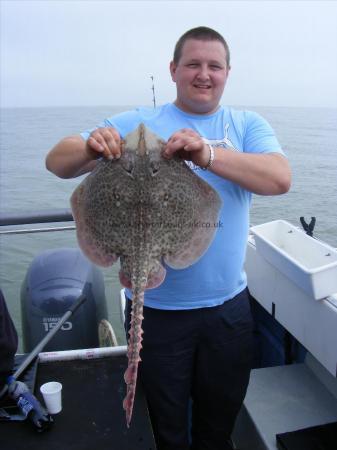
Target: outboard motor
x: 54, y: 280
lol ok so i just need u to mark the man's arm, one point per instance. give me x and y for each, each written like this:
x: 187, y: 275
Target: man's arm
x: 260, y: 173
x: 73, y: 156
x: 70, y: 158
x: 264, y: 174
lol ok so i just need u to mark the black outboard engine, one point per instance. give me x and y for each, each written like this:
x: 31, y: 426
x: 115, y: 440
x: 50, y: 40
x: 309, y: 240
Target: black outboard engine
x: 54, y: 280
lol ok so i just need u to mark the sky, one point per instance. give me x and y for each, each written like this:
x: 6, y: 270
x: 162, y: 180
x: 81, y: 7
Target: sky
x: 93, y: 53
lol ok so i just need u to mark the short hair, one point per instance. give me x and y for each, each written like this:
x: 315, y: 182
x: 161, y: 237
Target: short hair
x: 201, y: 34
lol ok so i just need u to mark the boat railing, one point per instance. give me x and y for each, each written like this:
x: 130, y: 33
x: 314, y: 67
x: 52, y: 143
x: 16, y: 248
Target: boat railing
x: 10, y: 220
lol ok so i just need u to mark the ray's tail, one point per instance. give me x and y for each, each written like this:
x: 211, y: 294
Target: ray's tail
x: 134, y: 347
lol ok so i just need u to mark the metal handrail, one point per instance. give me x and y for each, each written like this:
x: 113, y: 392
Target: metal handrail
x: 37, y: 217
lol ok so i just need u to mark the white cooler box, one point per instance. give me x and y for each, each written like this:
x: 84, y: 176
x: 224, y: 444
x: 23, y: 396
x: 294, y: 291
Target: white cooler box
x: 309, y: 263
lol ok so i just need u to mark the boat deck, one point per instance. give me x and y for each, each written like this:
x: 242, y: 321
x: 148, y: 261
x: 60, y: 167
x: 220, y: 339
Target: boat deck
x: 92, y: 415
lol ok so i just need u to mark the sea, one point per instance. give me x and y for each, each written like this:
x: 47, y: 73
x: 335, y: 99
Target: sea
x: 307, y: 135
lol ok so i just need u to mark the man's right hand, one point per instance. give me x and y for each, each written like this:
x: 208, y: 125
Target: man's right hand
x: 104, y: 142
x: 74, y: 156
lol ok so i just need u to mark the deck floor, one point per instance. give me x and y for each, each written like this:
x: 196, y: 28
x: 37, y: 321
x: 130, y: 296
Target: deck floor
x: 92, y: 416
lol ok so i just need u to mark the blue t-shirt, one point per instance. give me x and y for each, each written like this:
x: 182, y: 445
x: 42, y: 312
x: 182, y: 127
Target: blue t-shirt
x: 218, y: 275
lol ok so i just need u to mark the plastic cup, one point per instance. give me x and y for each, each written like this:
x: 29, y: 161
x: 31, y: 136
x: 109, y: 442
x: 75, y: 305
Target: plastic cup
x: 52, y: 396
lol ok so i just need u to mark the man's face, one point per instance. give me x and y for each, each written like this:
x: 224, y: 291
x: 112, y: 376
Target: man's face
x: 200, y: 76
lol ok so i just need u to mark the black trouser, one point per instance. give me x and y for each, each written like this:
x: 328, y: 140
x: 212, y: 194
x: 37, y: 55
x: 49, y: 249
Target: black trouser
x: 204, y: 354
x: 8, y: 342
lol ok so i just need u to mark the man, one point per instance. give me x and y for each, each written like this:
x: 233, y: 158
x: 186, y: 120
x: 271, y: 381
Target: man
x: 197, y: 324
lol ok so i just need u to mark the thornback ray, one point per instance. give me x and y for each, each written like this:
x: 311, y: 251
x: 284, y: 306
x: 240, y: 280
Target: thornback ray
x: 145, y: 210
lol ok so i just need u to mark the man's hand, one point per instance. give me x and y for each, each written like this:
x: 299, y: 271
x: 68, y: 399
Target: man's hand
x: 73, y: 156
x: 104, y: 142
x: 189, y: 145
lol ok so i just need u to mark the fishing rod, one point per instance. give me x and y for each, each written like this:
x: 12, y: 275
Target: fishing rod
x: 44, y: 341
x: 153, y: 92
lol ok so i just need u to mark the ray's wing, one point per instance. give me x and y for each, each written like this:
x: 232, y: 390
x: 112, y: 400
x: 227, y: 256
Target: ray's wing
x: 194, y: 213
x: 101, y: 212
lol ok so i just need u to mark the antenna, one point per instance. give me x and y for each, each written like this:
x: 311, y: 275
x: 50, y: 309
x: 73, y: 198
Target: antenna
x: 154, y: 94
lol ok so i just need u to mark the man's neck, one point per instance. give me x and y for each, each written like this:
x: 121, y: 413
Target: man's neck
x: 195, y: 111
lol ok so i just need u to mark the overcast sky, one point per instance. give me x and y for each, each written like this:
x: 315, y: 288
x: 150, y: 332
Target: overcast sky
x: 87, y: 52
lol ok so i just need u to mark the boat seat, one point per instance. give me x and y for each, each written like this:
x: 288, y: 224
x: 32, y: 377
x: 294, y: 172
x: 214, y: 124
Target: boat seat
x: 282, y: 399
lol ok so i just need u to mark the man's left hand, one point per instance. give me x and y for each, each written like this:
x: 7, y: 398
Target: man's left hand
x: 189, y: 145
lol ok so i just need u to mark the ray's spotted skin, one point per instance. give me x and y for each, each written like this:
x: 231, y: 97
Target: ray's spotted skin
x: 143, y: 209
